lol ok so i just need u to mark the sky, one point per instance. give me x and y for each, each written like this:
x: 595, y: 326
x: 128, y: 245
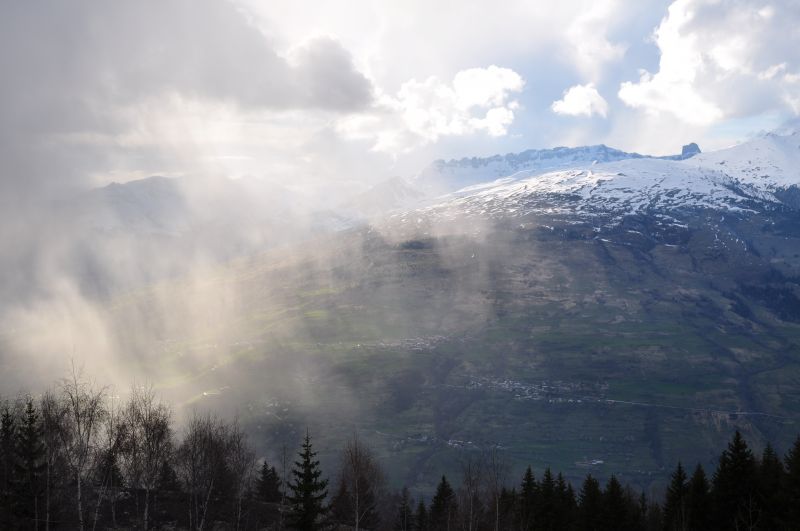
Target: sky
x: 329, y: 97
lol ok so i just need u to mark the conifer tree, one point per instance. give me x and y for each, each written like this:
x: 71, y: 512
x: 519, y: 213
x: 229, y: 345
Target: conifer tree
x: 421, y: 519
x: 649, y: 516
x: 675, y: 505
x: 268, y: 484
x: 528, y: 500
x: 770, y: 483
x: 564, y: 504
x: 615, y: 507
x: 792, y: 483
x: 168, y: 477
x: 653, y: 518
x: 590, y: 505
x: 8, y: 453
x: 404, y: 520
x: 699, y: 500
x: 735, y: 497
x: 30, y: 463
x: 509, y: 502
x: 545, y: 513
x: 307, y: 491
x: 443, y: 507
x: 341, y: 508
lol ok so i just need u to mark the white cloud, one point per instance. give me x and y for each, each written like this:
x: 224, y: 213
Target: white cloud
x: 485, y: 87
x: 591, y: 49
x: 581, y: 100
x: 719, y: 59
x: 477, y: 100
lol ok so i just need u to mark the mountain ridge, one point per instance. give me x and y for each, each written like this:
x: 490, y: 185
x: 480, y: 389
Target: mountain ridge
x: 450, y: 175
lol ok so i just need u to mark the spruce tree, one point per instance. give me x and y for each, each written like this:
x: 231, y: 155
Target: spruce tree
x: 421, y: 519
x: 8, y: 454
x: 404, y: 521
x: 564, y: 504
x: 528, y: 499
x: 615, y: 507
x: 792, y: 483
x: 341, y: 509
x: 307, y: 491
x: 443, y: 507
x: 675, y: 505
x: 509, y: 502
x: 30, y: 463
x: 590, y: 505
x: 649, y: 515
x: 770, y: 487
x: 167, y: 478
x: 735, y: 497
x: 545, y: 513
x: 268, y: 484
x: 699, y: 501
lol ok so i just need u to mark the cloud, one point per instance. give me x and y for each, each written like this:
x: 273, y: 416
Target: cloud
x: 325, y: 74
x: 477, y: 100
x: 590, y: 47
x: 76, y: 76
x: 581, y: 100
x: 720, y: 59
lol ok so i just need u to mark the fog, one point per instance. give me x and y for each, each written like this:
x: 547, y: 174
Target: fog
x: 230, y: 294
x: 93, y: 94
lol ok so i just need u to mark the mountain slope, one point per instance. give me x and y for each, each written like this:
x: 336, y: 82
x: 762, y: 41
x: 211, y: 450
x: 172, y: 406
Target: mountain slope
x: 613, y: 318
x: 755, y: 176
x: 616, y: 317
x: 769, y: 161
x: 448, y: 176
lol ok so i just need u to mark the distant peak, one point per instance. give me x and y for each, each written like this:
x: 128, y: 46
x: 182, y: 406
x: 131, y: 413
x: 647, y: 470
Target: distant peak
x: 690, y: 150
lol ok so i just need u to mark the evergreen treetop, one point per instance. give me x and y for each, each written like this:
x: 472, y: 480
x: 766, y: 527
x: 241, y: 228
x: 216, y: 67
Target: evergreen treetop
x: 443, y: 506
x: 307, y: 491
x: 268, y: 484
x: 675, y: 505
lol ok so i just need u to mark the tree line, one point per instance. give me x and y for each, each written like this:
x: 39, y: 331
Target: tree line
x: 79, y: 458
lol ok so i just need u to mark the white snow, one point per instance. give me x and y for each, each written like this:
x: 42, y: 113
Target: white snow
x: 768, y: 162
x: 447, y: 176
x: 729, y: 180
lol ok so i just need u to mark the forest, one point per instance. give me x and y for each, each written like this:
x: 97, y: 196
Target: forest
x: 79, y: 457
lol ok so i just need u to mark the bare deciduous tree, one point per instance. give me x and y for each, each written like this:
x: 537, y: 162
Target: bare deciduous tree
x: 107, y: 456
x: 213, y: 457
x: 241, y: 463
x: 362, y: 477
x: 146, y: 443
x: 83, y: 414
x: 495, y: 476
x: 53, y: 416
x: 472, y: 474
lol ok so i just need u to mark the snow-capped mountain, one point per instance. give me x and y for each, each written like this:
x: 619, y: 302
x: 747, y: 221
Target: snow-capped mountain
x: 448, y: 176
x: 752, y: 175
x: 770, y: 161
x: 579, y: 181
x: 618, y: 188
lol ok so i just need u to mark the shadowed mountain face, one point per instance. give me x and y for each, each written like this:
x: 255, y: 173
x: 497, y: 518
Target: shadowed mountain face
x: 616, y: 317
